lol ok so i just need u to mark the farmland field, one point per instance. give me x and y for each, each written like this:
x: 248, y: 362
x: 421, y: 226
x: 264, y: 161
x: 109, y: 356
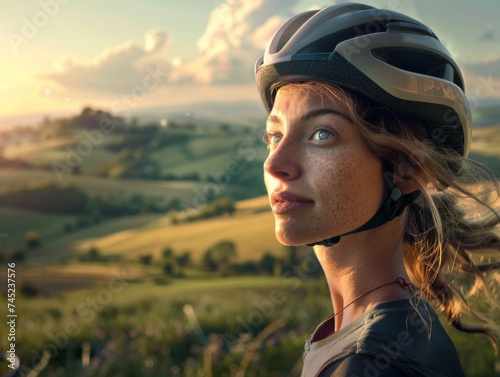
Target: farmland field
x: 92, y: 185
x: 253, y: 234
x: 16, y: 222
x: 251, y: 228
x: 188, y: 328
x: 147, y: 322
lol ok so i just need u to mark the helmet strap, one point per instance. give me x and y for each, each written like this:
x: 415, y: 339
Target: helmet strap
x: 392, y: 207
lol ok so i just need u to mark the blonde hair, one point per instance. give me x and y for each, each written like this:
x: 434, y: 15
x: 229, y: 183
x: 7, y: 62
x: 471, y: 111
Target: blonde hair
x: 451, y: 239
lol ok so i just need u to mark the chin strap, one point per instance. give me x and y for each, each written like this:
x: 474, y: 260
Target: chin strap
x: 391, y: 208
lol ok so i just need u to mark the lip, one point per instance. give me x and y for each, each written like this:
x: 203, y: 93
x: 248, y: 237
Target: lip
x: 285, y: 202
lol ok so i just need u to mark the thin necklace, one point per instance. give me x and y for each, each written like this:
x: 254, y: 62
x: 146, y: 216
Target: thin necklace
x: 400, y: 281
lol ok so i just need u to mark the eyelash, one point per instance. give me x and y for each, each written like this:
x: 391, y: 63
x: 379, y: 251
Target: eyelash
x: 267, y: 136
x: 322, y: 128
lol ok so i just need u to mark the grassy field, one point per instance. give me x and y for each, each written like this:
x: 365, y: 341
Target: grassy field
x: 45, y: 152
x: 130, y: 326
x: 150, y: 234
x: 252, y: 218
x: 156, y: 325
x: 252, y: 230
x: 253, y: 234
x: 203, y: 155
x: 17, y: 222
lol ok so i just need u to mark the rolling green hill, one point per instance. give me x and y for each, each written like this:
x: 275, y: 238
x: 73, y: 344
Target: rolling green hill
x: 201, y: 150
x: 251, y: 228
x: 253, y: 234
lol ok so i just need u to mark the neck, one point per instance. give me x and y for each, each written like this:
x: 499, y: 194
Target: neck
x: 358, y: 264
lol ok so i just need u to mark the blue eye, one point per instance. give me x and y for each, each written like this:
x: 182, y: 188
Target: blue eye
x: 322, y: 135
x: 275, y: 139
x: 271, y: 139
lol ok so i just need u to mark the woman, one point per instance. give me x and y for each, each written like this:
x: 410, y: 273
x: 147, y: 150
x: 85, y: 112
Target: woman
x: 368, y: 133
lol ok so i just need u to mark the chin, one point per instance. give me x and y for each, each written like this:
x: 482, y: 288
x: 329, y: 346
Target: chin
x: 287, y: 239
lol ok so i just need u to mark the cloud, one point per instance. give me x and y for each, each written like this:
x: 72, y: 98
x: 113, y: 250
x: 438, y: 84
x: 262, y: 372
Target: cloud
x: 116, y: 70
x: 482, y: 79
x: 488, y: 36
x: 234, y: 38
x: 489, y: 67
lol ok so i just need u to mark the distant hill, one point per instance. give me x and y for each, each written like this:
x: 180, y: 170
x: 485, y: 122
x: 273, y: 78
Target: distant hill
x: 188, y: 161
x: 202, y: 112
x: 205, y: 112
x: 486, y: 116
x: 237, y: 112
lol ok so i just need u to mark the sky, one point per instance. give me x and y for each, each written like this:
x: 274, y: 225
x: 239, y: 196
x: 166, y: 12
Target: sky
x: 58, y: 56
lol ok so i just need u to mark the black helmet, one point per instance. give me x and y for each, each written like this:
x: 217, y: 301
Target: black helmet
x: 392, y: 59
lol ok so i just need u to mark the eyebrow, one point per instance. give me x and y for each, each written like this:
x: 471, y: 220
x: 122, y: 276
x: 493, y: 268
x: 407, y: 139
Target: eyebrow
x: 310, y: 115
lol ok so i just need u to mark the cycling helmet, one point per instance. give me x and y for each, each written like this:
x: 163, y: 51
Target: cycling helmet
x: 392, y: 59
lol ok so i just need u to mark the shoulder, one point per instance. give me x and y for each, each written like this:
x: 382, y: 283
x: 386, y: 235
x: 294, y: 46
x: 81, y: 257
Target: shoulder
x: 410, y: 338
x: 394, y: 337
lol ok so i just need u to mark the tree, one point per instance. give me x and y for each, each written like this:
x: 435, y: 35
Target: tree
x: 33, y: 239
x: 146, y: 259
x: 293, y: 258
x: 92, y: 255
x: 184, y: 259
x: 169, y: 268
x: 267, y: 262
x: 168, y: 253
x: 220, y: 256
x: 27, y: 289
x: 14, y: 254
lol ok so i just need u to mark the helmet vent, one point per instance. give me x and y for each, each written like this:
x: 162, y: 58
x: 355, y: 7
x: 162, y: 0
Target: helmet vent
x: 292, y: 28
x: 418, y: 61
x: 329, y: 42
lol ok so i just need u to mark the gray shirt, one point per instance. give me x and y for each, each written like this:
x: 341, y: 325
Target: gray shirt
x: 391, y: 339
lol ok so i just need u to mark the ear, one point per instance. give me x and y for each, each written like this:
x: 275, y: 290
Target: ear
x: 404, y: 182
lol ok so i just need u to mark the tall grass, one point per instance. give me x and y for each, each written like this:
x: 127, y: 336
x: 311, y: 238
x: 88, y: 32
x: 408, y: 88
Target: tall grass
x: 224, y: 327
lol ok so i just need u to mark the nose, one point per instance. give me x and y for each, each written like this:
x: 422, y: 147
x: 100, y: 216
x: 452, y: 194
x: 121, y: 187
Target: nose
x: 283, y: 162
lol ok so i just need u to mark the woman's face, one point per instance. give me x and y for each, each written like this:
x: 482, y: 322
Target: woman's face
x: 321, y: 178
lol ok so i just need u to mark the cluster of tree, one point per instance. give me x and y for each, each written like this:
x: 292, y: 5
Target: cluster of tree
x: 91, y: 119
x: 12, y: 254
x: 93, y: 254
x: 88, y: 119
x: 18, y: 254
x: 71, y: 200
x: 172, y: 263
x: 222, y: 258
x: 44, y: 197
x: 218, y: 207
x: 175, y: 263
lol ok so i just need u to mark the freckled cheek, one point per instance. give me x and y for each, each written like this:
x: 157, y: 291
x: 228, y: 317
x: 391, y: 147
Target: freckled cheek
x: 348, y: 190
x: 369, y: 187
x: 334, y: 187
